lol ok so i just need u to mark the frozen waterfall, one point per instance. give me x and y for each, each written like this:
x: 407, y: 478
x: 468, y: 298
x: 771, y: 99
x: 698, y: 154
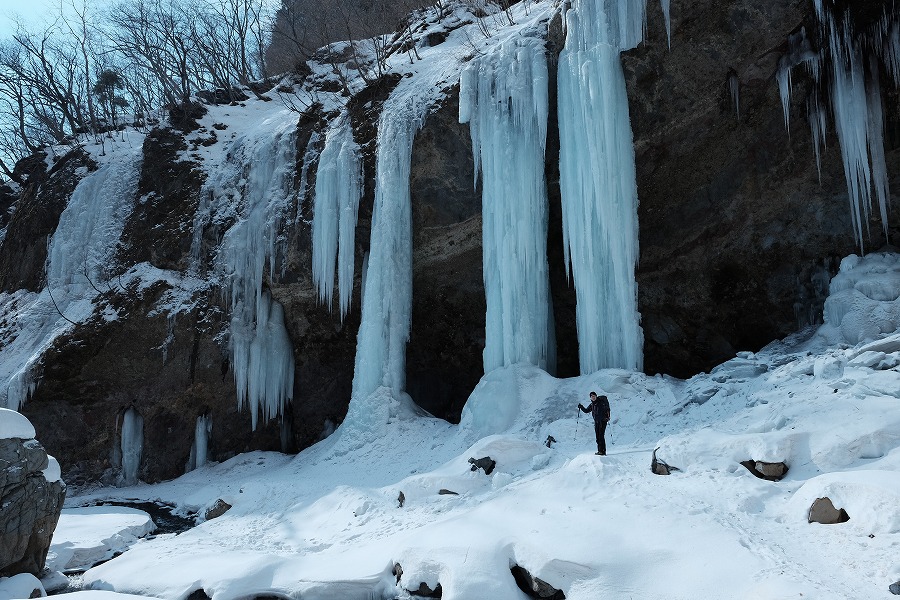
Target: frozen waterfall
x: 597, y: 180
x: 80, y: 256
x: 261, y: 351
x: 504, y: 98
x: 338, y: 190
x: 387, y: 301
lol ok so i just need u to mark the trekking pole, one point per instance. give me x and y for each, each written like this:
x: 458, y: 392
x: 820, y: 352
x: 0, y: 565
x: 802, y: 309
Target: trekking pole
x: 576, y: 424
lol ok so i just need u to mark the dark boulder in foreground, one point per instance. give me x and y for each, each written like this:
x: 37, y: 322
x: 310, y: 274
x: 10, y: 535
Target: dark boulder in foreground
x: 30, y: 505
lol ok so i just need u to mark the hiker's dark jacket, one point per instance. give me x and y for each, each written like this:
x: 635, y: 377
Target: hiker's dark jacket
x: 598, y: 408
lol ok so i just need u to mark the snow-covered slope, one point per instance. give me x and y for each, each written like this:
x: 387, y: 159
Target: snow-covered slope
x: 328, y: 523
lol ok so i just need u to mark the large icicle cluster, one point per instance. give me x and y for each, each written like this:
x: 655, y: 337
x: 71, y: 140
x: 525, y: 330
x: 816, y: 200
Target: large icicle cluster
x: 504, y: 97
x: 261, y: 351
x: 850, y: 64
x: 597, y: 180
x: 338, y: 190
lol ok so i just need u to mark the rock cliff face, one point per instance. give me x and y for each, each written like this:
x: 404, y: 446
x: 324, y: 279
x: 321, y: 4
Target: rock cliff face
x: 30, y: 506
x: 738, y: 233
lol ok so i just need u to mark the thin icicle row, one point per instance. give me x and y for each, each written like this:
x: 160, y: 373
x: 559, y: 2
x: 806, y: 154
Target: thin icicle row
x: 504, y: 98
x: 338, y: 190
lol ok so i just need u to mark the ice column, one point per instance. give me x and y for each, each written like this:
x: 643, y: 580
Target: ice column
x: 338, y: 190
x: 132, y: 445
x: 387, y: 298
x: 199, y: 449
x: 261, y: 352
x: 504, y: 98
x: 597, y: 180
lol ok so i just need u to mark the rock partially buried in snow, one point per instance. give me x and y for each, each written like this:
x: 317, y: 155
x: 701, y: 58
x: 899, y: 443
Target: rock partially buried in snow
x: 485, y: 463
x: 823, y: 511
x: 424, y: 591
x: 894, y: 588
x: 535, y: 587
x: 660, y: 467
x: 770, y: 471
x: 219, y: 508
x: 24, y: 585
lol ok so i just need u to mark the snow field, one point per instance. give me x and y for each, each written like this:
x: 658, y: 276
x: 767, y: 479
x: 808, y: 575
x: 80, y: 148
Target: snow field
x: 327, y: 523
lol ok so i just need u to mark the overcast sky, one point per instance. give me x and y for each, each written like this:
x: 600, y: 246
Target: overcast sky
x: 34, y: 11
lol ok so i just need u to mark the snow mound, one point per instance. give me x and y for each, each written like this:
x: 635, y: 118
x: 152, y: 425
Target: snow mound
x: 22, y: 585
x: 86, y: 536
x: 870, y: 497
x: 864, y: 299
x: 15, y: 425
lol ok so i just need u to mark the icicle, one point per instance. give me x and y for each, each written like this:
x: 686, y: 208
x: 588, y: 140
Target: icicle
x: 734, y: 86
x: 504, y: 97
x: 666, y: 10
x: 132, y: 445
x: 597, y: 180
x: 338, y: 190
x: 816, y: 117
x: 799, y: 52
x: 261, y: 351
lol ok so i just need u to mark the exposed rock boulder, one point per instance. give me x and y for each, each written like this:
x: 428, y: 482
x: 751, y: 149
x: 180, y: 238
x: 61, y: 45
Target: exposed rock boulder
x: 823, y: 511
x: 535, y: 587
x: 894, y: 588
x: 31, y: 499
x: 766, y: 470
x: 219, y: 508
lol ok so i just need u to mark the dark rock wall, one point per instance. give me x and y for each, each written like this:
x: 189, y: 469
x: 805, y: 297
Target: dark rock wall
x: 171, y: 372
x: 736, y: 230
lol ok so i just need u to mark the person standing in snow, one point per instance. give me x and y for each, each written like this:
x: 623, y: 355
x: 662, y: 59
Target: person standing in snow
x: 599, y: 409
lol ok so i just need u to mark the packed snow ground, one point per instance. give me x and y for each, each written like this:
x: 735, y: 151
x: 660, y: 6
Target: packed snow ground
x: 88, y: 535
x: 327, y: 523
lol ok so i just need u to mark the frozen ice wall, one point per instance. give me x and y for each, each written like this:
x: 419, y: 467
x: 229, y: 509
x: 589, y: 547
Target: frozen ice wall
x: 261, y: 352
x: 338, y: 190
x: 597, y: 180
x: 79, y: 263
x: 132, y: 445
x: 504, y: 98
